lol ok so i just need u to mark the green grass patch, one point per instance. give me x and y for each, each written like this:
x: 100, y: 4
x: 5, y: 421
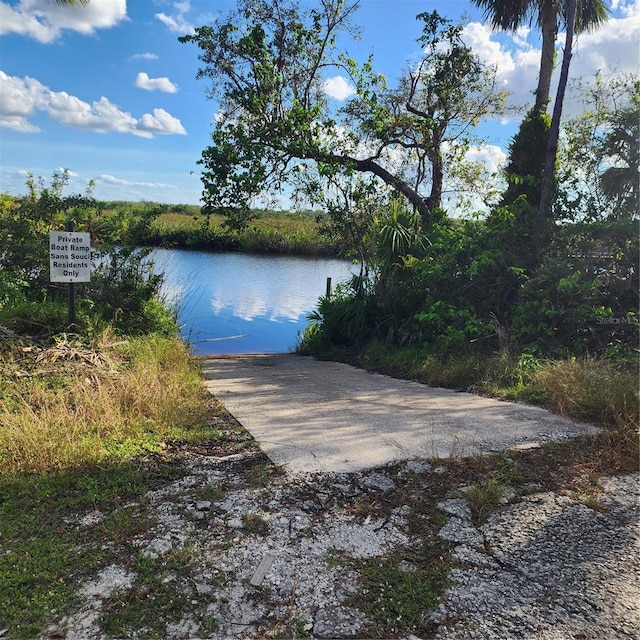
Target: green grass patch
x: 68, y: 405
x: 399, y: 589
x: 159, y: 594
x: 45, y: 550
x: 87, y: 430
x: 270, y: 232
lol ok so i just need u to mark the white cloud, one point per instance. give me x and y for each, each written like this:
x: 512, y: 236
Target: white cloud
x: 144, y: 56
x: 71, y: 174
x: 338, y: 88
x: 44, y: 20
x: 612, y: 48
x: 490, y: 156
x: 517, y: 66
x: 159, y: 122
x: 628, y: 8
x: 178, y: 23
x: 109, y: 179
x: 143, y: 81
x: 21, y: 98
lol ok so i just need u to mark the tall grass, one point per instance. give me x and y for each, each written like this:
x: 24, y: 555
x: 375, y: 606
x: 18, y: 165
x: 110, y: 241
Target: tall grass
x: 68, y: 409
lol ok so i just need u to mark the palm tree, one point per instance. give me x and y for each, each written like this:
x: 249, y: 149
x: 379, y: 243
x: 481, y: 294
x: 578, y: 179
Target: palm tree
x: 73, y: 3
x: 548, y: 172
x: 549, y: 15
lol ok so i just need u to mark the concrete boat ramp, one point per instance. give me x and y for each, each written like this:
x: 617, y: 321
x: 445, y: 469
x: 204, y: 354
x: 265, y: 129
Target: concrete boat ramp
x: 312, y: 416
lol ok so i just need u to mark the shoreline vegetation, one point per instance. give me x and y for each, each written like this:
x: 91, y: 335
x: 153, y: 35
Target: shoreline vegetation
x: 269, y: 232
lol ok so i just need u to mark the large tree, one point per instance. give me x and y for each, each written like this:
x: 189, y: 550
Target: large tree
x: 551, y: 152
x: 549, y: 16
x: 269, y: 62
x: 535, y: 177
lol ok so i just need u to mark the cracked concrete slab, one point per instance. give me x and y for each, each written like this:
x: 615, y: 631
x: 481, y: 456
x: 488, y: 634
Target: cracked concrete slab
x: 310, y: 415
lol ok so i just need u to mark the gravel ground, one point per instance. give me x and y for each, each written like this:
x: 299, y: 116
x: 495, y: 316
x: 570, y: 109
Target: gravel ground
x: 275, y: 558
x: 549, y: 568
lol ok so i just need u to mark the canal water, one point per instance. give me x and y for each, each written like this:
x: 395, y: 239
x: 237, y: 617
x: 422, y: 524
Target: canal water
x: 233, y: 303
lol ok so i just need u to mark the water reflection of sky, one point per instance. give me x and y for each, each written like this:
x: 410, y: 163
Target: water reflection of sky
x: 238, y: 303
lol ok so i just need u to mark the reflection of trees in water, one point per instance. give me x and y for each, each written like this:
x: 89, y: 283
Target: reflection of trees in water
x: 233, y: 298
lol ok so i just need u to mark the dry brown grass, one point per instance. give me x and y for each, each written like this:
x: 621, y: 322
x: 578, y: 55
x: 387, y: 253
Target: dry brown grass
x: 66, y: 405
x: 589, y: 389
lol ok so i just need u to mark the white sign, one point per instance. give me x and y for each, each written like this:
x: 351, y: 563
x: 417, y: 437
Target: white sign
x: 70, y: 256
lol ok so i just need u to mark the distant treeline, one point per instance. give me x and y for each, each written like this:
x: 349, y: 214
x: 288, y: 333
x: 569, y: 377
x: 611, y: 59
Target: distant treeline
x: 184, y: 226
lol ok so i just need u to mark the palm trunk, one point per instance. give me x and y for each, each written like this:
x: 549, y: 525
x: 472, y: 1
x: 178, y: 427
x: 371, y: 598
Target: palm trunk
x: 549, y: 24
x: 548, y: 176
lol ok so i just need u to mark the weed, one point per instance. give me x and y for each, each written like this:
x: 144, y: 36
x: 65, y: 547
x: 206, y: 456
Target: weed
x: 86, y: 431
x: 125, y: 523
x: 156, y: 597
x: 259, y: 471
x: 398, y: 590
x: 484, y: 498
x: 47, y: 550
x: 292, y: 627
x: 255, y: 524
x: 210, y: 492
x: 117, y: 406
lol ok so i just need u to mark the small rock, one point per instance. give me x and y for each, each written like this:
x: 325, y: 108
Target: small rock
x: 378, y: 482
x: 285, y: 591
x: 461, y: 531
x: 235, y: 523
x: 407, y: 567
x: 438, y: 615
x: 417, y: 466
x: 456, y: 507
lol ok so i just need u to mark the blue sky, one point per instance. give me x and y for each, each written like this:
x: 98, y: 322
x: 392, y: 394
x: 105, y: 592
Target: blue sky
x: 108, y: 92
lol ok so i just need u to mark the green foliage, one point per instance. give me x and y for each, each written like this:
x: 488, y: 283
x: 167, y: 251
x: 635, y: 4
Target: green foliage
x: 268, y: 65
x: 400, y: 587
x: 41, y: 572
x: 526, y: 159
x: 476, y: 285
x: 270, y: 232
x: 24, y: 226
x: 34, y: 317
x: 583, y: 299
x: 600, y: 160
x: 123, y: 291
x: 504, y: 281
x: 346, y: 317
